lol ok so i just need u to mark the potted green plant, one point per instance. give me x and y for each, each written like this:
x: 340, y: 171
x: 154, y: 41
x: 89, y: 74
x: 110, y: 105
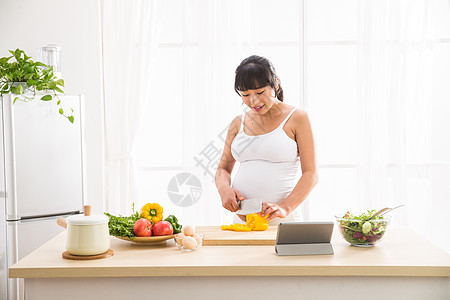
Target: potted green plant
x: 27, y: 79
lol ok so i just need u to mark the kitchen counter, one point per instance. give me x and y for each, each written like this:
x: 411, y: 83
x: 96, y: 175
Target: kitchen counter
x: 402, y: 259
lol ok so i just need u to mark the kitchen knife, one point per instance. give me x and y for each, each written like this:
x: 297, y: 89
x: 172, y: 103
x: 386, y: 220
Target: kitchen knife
x: 250, y: 206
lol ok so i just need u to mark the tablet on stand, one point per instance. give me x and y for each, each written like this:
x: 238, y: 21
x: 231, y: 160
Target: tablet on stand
x: 304, y: 238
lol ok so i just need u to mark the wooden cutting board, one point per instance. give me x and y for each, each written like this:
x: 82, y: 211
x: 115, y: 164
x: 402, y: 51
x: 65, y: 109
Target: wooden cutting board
x: 214, y: 236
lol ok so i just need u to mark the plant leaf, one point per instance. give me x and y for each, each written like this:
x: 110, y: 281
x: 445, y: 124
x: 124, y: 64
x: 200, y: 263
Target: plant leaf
x: 20, y: 89
x: 59, y: 101
x: 58, y: 89
x: 70, y: 119
x: 4, y: 60
x: 39, y: 64
x: 17, y: 53
x: 60, y: 82
x: 47, y: 98
x: 15, y: 99
x: 61, y: 111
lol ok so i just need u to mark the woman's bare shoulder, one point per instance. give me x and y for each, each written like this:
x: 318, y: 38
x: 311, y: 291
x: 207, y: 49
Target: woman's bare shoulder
x: 300, y: 120
x: 297, y: 119
x: 235, y: 125
x: 299, y: 113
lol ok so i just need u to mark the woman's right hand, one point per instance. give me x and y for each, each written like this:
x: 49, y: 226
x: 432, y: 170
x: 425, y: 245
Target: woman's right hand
x: 230, y: 198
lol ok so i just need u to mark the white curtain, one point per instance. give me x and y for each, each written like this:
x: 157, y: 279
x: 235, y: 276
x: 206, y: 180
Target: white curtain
x: 394, y: 109
x: 130, y: 34
x: 215, y: 37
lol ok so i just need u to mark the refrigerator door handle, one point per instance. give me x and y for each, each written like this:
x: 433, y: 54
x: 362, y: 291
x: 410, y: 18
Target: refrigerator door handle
x: 10, y: 162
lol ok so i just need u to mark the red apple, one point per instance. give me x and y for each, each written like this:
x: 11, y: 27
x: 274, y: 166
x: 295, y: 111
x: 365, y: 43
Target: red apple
x: 162, y: 228
x: 143, y: 227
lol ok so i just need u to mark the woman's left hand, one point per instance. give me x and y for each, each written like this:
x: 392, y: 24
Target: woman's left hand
x: 272, y: 210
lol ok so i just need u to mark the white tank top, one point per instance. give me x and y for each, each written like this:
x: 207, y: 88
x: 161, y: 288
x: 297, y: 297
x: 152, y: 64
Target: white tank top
x: 268, y: 165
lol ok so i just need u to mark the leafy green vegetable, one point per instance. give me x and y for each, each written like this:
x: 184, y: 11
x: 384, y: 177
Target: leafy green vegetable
x: 122, y: 226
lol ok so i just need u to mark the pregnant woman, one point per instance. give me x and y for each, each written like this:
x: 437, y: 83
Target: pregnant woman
x: 269, y: 141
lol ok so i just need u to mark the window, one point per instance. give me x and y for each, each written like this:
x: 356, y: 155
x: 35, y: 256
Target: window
x: 314, y: 45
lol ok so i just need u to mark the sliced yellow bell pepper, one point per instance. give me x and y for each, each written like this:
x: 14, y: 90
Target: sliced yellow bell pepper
x: 152, y: 212
x: 240, y: 227
x: 256, y: 222
x: 236, y: 227
x: 253, y: 222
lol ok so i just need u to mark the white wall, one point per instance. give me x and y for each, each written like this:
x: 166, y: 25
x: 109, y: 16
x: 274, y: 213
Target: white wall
x: 73, y: 25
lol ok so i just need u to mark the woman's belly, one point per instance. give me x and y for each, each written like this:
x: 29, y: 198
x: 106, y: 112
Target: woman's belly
x: 272, y: 182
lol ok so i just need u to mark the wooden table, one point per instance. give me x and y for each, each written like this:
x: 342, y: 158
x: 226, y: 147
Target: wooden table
x: 403, y: 266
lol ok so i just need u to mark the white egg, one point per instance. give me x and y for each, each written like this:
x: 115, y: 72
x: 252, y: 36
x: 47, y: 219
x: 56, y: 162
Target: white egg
x: 198, y: 239
x: 189, y: 230
x: 189, y: 243
x: 179, y: 238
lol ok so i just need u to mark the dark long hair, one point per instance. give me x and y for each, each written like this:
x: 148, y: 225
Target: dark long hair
x: 256, y: 72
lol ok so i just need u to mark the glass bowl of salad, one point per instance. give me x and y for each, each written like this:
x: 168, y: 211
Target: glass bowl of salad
x: 359, y: 231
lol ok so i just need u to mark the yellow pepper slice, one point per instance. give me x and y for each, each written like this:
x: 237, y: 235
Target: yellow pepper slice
x: 240, y: 227
x: 152, y: 212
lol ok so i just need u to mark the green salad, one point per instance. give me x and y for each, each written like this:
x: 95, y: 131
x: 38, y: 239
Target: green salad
x: 359, y: 230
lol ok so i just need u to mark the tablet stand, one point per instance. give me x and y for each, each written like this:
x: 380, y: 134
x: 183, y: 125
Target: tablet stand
x: 304, y: 249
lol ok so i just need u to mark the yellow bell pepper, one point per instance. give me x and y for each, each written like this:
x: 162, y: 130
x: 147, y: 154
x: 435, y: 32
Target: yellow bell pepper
x: 152, y: 212
x: 256, y: 222
x: 253, y: 222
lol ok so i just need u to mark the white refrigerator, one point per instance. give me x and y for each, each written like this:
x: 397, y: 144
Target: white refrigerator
x: 42, y: 177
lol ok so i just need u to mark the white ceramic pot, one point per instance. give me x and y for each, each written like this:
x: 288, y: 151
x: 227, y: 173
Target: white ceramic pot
x: 87, y: 234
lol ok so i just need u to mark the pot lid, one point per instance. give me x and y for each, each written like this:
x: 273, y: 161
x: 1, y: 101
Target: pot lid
x: 87, y: 220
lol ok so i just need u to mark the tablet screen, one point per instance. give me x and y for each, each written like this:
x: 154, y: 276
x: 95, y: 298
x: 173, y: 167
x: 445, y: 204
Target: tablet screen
x: 304, y: 232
